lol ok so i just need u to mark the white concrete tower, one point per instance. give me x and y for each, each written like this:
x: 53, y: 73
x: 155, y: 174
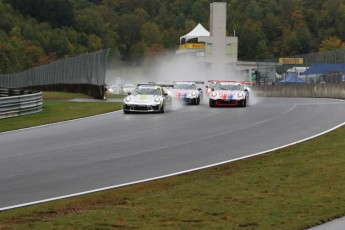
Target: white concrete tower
x: 214, y: 48
x: 218, y: 35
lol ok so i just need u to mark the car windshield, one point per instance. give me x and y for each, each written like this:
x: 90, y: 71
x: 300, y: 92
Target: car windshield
x: 227, y: 87
x: 184, y: 86
x: 146, y: 91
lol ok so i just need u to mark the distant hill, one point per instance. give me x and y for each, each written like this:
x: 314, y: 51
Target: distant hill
x: 36, y: 32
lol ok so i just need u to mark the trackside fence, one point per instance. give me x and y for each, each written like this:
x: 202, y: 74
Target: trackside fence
x: 313, y: 68
x: 83, y: 74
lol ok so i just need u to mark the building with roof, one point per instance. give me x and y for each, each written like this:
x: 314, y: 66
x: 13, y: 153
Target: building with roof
x: 199, y: 43
x: 215, y: 48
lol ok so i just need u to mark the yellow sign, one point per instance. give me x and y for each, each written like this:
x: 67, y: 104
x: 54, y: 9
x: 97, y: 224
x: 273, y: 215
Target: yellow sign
x: 192, y: 46
x: 291, y: 61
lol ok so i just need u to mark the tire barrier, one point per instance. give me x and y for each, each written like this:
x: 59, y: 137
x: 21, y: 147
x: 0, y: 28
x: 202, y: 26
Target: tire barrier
x: 16, y: 102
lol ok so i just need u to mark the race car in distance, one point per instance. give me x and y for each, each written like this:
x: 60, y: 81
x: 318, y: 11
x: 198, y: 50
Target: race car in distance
x: 229, y: 93
x: 188, y: 91
x: 210, y: 86
x: 128, y: 88
x: 147, y: 98
x: 213, y: 82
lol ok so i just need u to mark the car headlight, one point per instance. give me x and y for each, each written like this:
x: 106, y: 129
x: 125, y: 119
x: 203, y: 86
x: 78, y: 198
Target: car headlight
x: 128, y: 99
x: 157, y: 99
x: 209, y: 90
x: 193, y: 93
x: 240, y: 94
x: 213, y: 94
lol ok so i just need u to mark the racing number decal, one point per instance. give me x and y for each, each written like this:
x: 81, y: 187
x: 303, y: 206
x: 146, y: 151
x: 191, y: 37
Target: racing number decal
x: 226, y: 96
x: 181, y: 93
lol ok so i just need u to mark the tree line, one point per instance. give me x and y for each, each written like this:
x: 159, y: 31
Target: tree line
x: 37, y: 32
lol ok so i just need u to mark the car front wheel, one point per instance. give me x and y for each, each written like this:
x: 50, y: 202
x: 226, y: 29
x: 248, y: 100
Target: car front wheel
x: 211, y: 103
x: 162, y: 109
x: 243, y: 103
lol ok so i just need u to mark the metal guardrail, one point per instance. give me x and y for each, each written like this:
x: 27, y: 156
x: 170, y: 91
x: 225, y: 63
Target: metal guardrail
x: 4, y: 92
x: 11, y: 106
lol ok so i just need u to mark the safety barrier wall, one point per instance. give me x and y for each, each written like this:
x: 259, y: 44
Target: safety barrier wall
x: 11, y: 106
x: 329, y: 90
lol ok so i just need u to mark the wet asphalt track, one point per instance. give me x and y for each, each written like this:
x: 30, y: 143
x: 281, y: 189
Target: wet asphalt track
x: 112, y: 149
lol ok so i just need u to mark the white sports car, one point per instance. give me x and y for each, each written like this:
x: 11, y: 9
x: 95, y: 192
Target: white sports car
x: 188, y: 91
x: 228, y: 93
x: 147, y: 98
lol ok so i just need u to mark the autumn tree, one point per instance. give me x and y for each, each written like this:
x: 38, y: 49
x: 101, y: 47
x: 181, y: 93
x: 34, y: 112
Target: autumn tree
x: 35, y: 32
x: 57, y: 12
x: 129, y: 30
x: 331, y: 43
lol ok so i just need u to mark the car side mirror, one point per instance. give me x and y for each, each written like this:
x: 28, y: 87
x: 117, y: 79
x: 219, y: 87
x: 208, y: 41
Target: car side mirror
x: 199, y: 89
x: 129, y: 93
x: 165, y: 94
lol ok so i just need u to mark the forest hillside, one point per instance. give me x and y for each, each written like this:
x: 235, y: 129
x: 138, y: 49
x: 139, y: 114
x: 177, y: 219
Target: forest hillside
x: 37, y: 32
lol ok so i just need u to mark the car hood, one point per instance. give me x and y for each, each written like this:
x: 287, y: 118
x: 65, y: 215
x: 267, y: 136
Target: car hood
x: 144, y: 98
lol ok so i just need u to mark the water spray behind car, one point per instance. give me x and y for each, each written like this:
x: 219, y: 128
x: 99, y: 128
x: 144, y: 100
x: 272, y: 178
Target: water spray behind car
x: 171, y: 67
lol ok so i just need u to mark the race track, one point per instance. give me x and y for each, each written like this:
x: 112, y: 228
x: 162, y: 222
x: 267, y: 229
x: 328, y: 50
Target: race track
x: 108, y: 150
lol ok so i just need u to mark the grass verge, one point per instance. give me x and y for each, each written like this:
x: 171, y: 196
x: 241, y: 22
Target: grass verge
x: 292, y: 188
x: 56, y: 108
x: 116, y: 96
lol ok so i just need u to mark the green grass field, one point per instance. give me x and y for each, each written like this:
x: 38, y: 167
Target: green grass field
x: 116, y: 96
x: 293, y: 188
x: 56, y: 107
